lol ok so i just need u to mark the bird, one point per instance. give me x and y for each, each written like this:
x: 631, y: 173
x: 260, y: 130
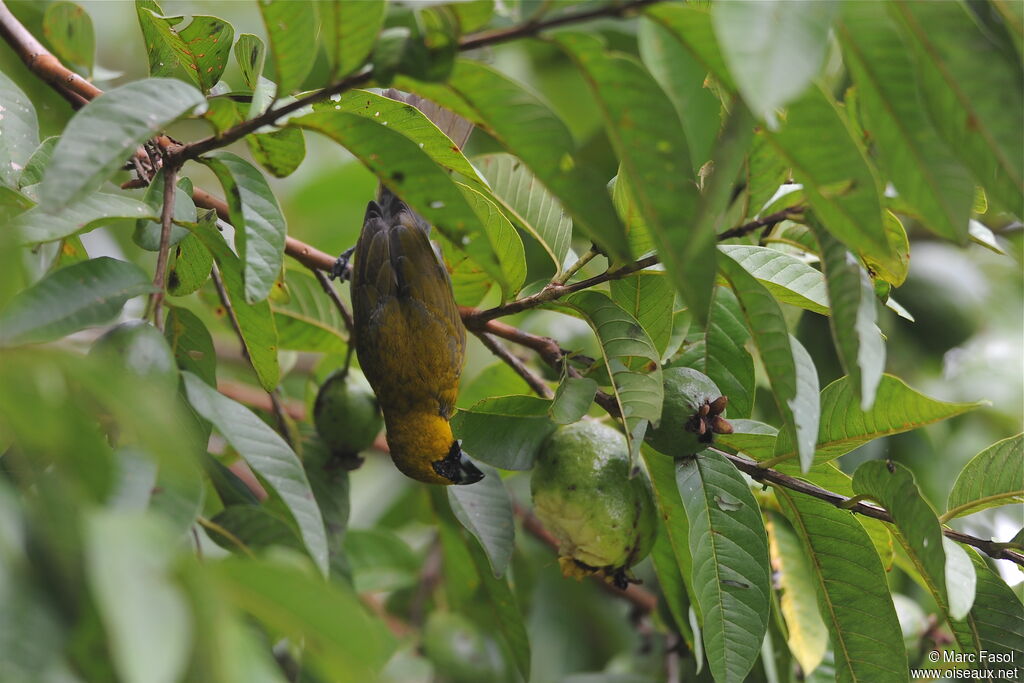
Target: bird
x: 409, y: 337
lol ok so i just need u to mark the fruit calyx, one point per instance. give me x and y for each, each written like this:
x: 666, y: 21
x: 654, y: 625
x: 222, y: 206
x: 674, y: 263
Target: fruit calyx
x: 708, y: 420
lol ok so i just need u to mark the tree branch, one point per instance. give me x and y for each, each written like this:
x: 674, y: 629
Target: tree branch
x: 756, y: 471
x: 166, y: 217
x: 535, y: 382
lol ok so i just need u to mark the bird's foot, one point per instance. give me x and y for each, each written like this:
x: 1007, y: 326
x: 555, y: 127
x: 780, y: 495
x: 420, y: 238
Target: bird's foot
x: 342, y: 268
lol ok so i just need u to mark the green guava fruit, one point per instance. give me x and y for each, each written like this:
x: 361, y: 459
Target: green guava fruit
x: 458, y: 651
x: 690, y: 416
x: 582, y: 492
x: 346, y: 414
x: 140, y: 349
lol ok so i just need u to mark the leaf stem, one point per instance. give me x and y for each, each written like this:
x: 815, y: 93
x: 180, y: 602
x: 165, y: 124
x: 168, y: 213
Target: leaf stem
x: 1009, y: 496
x: 576, y: 267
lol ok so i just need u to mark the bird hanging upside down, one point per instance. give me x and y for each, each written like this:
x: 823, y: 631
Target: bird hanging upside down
x: 410, y: 340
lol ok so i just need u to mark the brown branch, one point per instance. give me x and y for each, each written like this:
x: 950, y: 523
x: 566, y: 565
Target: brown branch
x: 776, y: 478
x: 41, y: 62
x: 641, y: 598
x: 531, y: 28
x: 531, y: 378
x: 166, y: 217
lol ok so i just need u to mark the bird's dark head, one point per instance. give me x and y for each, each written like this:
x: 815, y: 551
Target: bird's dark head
x: 456, y: 467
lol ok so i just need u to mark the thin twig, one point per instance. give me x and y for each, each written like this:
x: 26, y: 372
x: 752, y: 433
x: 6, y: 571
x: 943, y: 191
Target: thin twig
x: 758, y: 472
x: 229, y: 310
x: 166, y: 218
x: 531, y: 378
x: 532, y: 28
x: 332, y: 293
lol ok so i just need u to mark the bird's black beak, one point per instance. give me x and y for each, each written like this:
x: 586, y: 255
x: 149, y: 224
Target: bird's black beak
x: 457, y: 467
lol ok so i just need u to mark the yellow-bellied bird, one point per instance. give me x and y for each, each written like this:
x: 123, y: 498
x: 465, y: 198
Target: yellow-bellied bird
x: 410, y: 340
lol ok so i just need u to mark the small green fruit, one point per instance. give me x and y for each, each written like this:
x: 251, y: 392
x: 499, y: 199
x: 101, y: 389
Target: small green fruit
x: 458, y: 650
x: 691, y: 414
x: 139, y: 348
x: 603, y: 519
x: 346, y: 414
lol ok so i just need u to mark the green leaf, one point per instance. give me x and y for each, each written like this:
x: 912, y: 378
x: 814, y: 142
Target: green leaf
x: 808, y: 635
x: 768, y: 327
x: 662, y: 473
x: 766, y: 173
x: 630, y: 358
x: 963, y: 74
x: 671, y: 585
x: 993, y: 477
x: 341, y: 641
x: 291, y: 30
x: 81, y: 295
x: 105, y: 132
x: 485, y: 510
x: 348, y: 31
x: 648, y: 297
x: 308, y: 320
x: 806, y: 404
x: 682, y: 79
x: 505, y: 431
x: 39, y: 160
x: 637, y: 232
x: 923, y: 169
x: 893, y: 485
x: 208, y: 39
x: 853, y: 597
x: 496, y: 379
x: 997, y: 615
x: 280, y: 151
x: 250, y: 55
x: 413, y: 124
x: 648, y: 138
x: 529, y: 204
x: 730, y: 562
x: 505, y: 608
x: 773, y: 49
x: 819, y: 144
x: 191, y: 343
x: 98, y: 208
x: 254, y: 526
x: 722, y: 356
x: 197, y: 53
x: 573, y: 399
x: 260, y: 228
x: 380, y: 560
x: 851, y: 296
x: 691, y: 25
x: 505, y: 241
x: 19, y: 131
x: 527, y: 128
x: 790, y: 280
x: 68, y: 30
x: 897, y: 409
x: 129, y: 566
x: 255, y: 321
x: 412, y: 174
x: 268, y: 455
x: 190, y: 268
